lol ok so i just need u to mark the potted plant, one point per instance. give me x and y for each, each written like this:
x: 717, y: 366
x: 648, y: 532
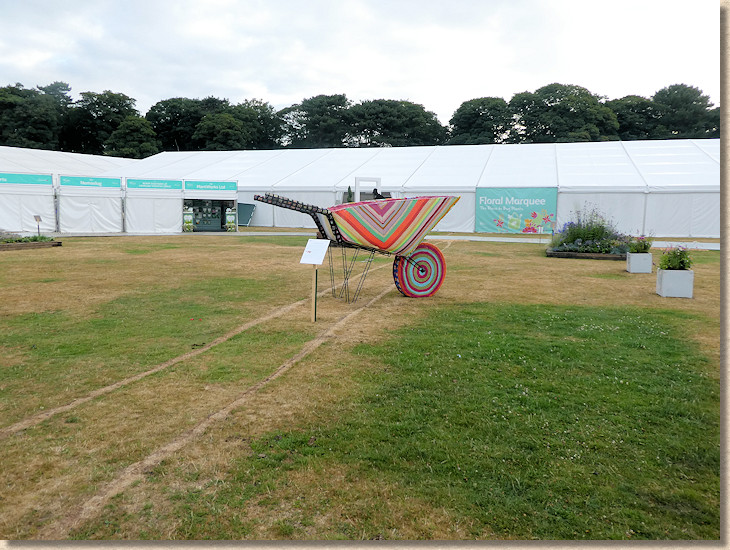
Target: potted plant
x: 188, y: 220
x: 674, y: 278
x: 638, y: 258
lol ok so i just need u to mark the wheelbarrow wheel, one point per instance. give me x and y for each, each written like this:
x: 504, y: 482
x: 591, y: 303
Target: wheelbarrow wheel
x: 422, y: 273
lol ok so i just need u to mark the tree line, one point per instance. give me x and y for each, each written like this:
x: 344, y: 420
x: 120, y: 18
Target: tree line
x: 46, y: 117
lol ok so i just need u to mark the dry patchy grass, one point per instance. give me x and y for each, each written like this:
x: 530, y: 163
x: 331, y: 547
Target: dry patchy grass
x: 52, y: 468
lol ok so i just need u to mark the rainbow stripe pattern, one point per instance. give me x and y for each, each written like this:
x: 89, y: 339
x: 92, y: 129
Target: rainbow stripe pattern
x: 396, y: 226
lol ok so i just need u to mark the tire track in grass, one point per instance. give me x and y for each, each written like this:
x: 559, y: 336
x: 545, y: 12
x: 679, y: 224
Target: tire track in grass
x: 40, y: 417
x: 35, y: 419
x: 61, y: 527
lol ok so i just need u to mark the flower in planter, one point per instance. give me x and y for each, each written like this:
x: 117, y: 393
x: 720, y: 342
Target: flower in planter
x: 640, y: 245
x: 590, y: 232
x: 676, y: 258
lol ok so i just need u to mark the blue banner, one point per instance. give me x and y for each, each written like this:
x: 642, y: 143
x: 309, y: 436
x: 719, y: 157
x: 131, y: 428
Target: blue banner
x: 153, y: 184
x: 516, y: 209
x: 75, y: 181
x: 31, y: 179
x: 211, y: 185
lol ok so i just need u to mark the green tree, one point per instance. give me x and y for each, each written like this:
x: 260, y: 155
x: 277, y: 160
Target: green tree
x: 319, y: 121
x: 482, y: 120
x: 222, y: 132
x: 638, y: 117
x: 712, y: 129
x: 263, y: 125
x: 92, y: 119
x: 59, y: 91
x: 29, y: 118
x: 134, y: 138
x: 684, y: 112
x: 393, y: 123
x: 174, y: 121
x: 559, y: 112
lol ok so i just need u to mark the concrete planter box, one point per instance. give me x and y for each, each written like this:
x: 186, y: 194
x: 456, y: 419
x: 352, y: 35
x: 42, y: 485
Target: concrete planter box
x: 639, y: 262
x: 675, y: 283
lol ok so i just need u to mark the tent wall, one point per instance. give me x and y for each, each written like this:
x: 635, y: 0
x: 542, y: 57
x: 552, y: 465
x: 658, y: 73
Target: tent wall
x: 461, y: 217
x: 88, y: 204
x: 683, y: 214
x: 153, y: 205
x: 263, y: 214
x: 86, y: 213
x: 153, y: 214
x: 20, y: 203
x: 290, y: 218
x: 624, y: 210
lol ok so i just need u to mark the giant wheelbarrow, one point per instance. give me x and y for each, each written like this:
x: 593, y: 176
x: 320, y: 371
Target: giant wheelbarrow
x: 384, y: 226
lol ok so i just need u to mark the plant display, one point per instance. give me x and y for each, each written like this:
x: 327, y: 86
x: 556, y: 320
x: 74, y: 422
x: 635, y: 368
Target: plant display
x: 590, y: 232
x: 33, y: 239
x: 676, y: 258
x: 188, y: 220
x: 640, y: 245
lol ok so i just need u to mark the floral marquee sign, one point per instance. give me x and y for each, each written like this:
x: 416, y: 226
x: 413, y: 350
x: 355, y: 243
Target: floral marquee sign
x: 516, y: 210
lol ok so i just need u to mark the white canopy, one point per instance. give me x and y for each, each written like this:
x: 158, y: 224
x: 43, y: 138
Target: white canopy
x: 20, y: 203
x: 40, y: 161
x: 667, y: 188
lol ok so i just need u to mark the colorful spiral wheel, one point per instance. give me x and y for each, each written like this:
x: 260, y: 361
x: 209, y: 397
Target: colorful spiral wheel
x: 422, y: 273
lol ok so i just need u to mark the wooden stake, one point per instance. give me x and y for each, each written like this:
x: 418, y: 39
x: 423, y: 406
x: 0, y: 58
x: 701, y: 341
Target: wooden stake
x: 314, y: 294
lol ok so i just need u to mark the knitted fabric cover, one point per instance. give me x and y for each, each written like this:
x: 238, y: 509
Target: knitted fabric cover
x: 396, y: 226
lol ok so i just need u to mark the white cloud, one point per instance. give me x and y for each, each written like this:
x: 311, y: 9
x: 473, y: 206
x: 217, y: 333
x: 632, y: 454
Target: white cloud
x: 435, y: 53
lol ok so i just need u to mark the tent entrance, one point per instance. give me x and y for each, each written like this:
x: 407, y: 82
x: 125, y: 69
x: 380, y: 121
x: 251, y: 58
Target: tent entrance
x: 208, y: 215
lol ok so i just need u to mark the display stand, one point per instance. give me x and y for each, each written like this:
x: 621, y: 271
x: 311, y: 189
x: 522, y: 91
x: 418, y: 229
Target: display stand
x: 314, y: 254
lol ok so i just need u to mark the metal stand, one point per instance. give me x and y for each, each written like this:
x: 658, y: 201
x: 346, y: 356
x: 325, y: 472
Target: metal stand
x: 347, y: 269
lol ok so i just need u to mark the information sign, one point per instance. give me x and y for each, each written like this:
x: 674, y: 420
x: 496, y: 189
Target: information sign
x: 516, y: 209
x: 315, y: 251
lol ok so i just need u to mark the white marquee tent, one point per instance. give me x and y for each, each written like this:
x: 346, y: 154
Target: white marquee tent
x: 82, y: 209
x: 25, y: 196
x: 667, y: 188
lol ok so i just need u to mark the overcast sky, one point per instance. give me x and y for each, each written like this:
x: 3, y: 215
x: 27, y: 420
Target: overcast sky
x: 438, y: 53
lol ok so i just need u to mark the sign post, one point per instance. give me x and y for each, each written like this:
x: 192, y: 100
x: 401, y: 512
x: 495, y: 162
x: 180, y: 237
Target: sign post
x: 314, y: 254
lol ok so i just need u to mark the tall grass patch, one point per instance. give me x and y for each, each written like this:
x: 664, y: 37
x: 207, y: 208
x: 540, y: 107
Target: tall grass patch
x: 521, y: 421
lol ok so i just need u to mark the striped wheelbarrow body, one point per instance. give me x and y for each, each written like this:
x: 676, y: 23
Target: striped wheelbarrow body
x: 386, y: 226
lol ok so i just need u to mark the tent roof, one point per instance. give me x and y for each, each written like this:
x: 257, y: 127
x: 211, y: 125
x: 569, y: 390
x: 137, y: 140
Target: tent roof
x: 40, y: 161
x: 677, y: 165
x: 635, y: 166
x: 520, y: 166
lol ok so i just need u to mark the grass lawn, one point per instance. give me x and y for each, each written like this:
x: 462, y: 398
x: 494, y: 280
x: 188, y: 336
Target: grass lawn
x: 531, y: 398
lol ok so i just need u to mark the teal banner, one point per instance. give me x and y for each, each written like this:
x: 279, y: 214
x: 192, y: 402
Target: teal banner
x: 516, y: 209
x: 154, y: 184
x: 74, y: 181
x: 211, y: 185
x: 30, y: 179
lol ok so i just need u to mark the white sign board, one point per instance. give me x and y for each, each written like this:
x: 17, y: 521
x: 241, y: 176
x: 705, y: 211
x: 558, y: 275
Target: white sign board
x: 315, y: 251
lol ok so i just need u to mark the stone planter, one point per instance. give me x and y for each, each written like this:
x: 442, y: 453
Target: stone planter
x: 675, y: 283
x: 639, y: 262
